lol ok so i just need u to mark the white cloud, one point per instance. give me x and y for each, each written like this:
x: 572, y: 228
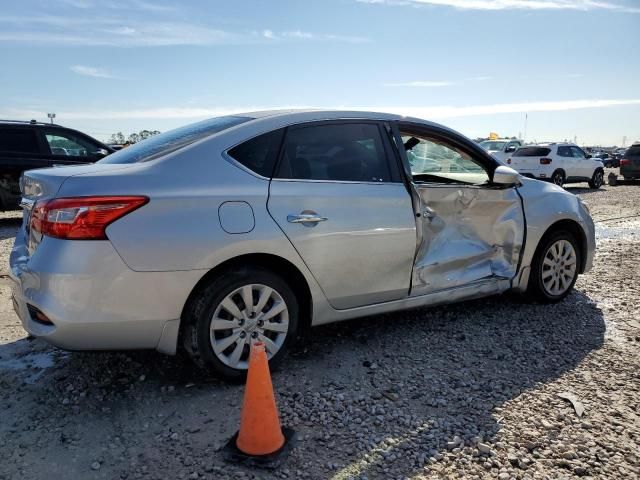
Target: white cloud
x: 117, y: 31
x: 427, y: 112
x: 91, y: 71
x: 420, y: 83
x: 581, y: 5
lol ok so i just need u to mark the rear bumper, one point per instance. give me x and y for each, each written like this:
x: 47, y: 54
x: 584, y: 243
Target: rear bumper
x: 630, y: 171
x: 94, y: 301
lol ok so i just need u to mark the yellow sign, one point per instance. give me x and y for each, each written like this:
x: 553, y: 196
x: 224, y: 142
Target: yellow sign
x: 493, y: 136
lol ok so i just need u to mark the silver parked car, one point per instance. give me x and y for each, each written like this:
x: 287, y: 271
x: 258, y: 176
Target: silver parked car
x: 255, y: 226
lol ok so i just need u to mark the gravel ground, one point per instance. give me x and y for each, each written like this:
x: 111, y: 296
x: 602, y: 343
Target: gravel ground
x: 466, y: 391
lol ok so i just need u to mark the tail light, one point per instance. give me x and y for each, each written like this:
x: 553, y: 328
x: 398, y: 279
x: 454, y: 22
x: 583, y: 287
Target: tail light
x: 81, y: 218
x: 624, y: 161
x: 508, y: 161
x: 545, y: 161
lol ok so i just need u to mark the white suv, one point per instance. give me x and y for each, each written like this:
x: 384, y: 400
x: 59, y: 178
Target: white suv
x: 501, y: 148
x: 559, y: 163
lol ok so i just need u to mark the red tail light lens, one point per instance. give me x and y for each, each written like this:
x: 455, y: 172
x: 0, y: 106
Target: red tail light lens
x: 624, y: 161
x: 545, y: 161
x: 81, y: 218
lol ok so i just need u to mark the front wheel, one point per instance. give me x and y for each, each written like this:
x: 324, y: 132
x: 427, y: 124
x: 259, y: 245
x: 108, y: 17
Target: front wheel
x: 232, y: 311
x: 597, y: 180
x: 555, y: 268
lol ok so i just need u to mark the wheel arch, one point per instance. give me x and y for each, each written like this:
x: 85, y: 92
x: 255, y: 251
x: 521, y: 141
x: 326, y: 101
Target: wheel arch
x: 274, y: 263
x: 574, y: 229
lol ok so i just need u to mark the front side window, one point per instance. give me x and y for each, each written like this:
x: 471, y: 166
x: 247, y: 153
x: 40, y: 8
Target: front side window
x: 351, y: 152
x: 433, y: 160
x: 577, y: 153
x: 13, y: 140
x: 69, y: 145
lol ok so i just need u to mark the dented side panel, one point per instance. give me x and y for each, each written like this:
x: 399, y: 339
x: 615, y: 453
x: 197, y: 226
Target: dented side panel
x: 468, y: 234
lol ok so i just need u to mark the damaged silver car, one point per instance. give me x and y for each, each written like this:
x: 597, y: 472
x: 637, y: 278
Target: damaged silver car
x: 256, y: 226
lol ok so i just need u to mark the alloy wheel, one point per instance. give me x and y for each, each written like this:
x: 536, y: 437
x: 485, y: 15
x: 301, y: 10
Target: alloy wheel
x: 558, y: 179
x: 559, y: 267
x: 598, y: 179
x: 250, y: 313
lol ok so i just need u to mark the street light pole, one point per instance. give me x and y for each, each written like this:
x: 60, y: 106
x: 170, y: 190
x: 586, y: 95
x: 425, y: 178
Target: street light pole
x: 51, y: 116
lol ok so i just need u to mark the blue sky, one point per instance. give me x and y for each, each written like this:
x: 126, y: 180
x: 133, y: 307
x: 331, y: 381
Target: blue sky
x: 475, y: 65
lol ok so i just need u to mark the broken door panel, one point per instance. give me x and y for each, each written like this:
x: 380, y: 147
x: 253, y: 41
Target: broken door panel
x: 469, y: 233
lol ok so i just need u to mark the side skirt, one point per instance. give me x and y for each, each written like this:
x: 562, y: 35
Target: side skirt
x: 479, y: 289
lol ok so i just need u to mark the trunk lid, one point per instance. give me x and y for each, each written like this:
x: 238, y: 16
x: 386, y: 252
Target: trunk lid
x: 527, y: 159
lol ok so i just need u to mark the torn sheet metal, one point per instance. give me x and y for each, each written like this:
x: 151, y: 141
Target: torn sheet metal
x: 468, y: 234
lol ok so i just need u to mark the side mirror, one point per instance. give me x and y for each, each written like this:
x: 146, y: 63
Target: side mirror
x: 513, y: 148
x: 504, y: 175
x: 100, y: 153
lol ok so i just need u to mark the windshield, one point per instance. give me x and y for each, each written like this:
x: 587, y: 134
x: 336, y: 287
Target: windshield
x: 489, y: 145
x: 172, y: 140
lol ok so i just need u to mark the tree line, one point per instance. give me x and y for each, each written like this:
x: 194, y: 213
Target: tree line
x: 120, y: 138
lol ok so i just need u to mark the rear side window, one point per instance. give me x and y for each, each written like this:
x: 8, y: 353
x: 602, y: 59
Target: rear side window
x: 260, y: 153
x: 18, y: 141
x: 633, y: 152
x: 335, y: 152
x: 564, y: 151
x: 533, y: 152
x: 165, y: 143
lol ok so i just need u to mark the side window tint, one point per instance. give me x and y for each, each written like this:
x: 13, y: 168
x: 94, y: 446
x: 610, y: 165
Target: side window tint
x: 339, y: 152
x: 68, y: 145
x: 433, y: 160
x: 260, y: 153
x: 564, y: 152
x: 18, y: 141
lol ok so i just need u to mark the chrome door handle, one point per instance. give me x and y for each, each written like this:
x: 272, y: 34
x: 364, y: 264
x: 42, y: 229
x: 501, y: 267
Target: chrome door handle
x: 306, y: 218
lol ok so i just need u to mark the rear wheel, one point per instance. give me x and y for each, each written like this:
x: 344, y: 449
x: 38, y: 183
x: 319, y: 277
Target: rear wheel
x: 558, y: 178
x: 555, y: 268
x: 597, y: 180
x: 234, y: 310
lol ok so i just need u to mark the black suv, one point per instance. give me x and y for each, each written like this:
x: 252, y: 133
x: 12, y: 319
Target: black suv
x: 28, y: 145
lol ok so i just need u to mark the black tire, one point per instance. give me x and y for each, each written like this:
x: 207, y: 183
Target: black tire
x: 536, y: 290
x: 597, y: 180
x: 200, y: 310
x: 558, y: 178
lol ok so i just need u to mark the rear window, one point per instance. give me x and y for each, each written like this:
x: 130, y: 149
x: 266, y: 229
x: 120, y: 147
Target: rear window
x: 172, y: 140
x: 18, y: 141
x: 633, y: 152
x: 260, y: 153
x: 532, y: 152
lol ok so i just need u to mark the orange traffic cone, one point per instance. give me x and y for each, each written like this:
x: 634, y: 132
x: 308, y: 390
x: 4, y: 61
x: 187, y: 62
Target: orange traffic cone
x: 260, y: 432
x: 261, y: 440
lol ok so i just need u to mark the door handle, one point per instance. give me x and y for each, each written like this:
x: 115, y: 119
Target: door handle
x: 306, y: 218
x: 428, y: 212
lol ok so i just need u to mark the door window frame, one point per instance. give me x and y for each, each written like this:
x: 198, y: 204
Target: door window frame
x: 395, y: 175
x: 482, y: 157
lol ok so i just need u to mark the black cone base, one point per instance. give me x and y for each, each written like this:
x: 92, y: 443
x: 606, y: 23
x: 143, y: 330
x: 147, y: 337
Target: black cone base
x: 232, y: 454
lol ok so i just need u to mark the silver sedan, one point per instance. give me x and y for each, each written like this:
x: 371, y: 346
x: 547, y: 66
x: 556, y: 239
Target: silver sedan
x: 255, y: 226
